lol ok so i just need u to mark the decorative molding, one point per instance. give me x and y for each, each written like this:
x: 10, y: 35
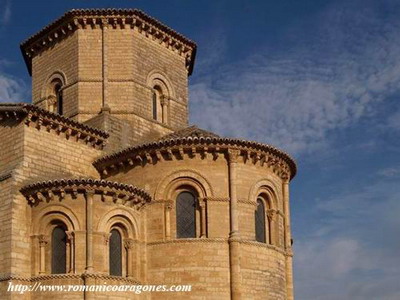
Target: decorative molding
x: 121, y: 193
x: 190, y: 146
x: 39, y: 118
x: 190, y: 240
x: 8, y: 277
x: 216, y: 199
x: 108, y: 18
x: 263, y: 245
x: 249, y: 202
x: 188, y: 177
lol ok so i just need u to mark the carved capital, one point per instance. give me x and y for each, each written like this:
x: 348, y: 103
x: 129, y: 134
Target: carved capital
x: 202, y: 203
x: 104, y: 23
x: 43, y: 240
x: 128, y: 243
x: 164, y: 101
x: 52, y: 99
x: 70, y: 236
x: 89, y: 193
x: 106, y: 237
x: 169, y: 204
x: 233, y: 155
x: 271, y: 213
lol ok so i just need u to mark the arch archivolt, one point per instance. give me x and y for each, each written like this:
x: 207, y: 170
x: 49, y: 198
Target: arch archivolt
x: 122, y: 220
x: 167, y: 188
x: 53, y: 214
x: 48, y: 87
x: 159, y: 78
x: 268, y: 189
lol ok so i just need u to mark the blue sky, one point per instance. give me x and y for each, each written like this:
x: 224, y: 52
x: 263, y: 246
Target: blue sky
x: 319, y: 79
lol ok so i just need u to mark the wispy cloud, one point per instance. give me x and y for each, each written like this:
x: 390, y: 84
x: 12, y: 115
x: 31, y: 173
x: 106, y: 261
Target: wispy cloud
x: 5, y: 14
x: 295, y: 99
x: 11, y: 89
x: 390, y: 172
x: 353, y: 253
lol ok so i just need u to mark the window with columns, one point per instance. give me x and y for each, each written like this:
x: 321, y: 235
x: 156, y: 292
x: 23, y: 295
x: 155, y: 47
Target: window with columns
x: 56, y: 248
x: 186, y: 206
x: 263, y: 217
x: 115, y: 253
x: 120, y: 251
x: 160, y: 104
x: 260, y: 221
x: 59, y: 250
x: 190, y: 213
x: 55, y: 102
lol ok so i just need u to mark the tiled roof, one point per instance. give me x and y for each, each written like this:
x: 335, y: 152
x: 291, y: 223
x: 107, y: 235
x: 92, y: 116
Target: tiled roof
x: 112, y: 13
x: 84, y: 183
x: 14, y: 109
x: 191, y: 131
x: 194, y: 136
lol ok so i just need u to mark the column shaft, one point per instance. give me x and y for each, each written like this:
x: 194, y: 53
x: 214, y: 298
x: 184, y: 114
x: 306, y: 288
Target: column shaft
x: 89, y: 231
x: 234, y: 236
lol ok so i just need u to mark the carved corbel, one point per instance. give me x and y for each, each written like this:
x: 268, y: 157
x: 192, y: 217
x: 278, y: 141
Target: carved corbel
x: 39, y: 123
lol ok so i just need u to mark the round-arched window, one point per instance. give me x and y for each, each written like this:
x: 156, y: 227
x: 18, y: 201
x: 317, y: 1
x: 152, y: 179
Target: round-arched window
x: 59, y: 250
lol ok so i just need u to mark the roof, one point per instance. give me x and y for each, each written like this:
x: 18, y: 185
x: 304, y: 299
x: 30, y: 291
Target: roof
x: 191, y: 137
x: 191, y: 131
x: 84, y: 183
x: 22, y: 110
x: 71, y: 19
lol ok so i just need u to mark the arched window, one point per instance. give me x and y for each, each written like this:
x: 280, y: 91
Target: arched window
x: 259, y: 216
x: 186, y: 215
x: 162, y: 91
x: 159, y: 112
x: 59, y: 250
x: 115, y: 253
x: 55, y: 101
x: 59, y: 97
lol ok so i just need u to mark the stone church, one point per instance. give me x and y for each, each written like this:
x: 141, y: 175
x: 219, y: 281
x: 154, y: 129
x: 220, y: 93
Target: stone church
x: 102, y: 180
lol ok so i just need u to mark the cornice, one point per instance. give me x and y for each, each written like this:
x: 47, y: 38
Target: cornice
x: 188, y: 240
x: 8, y: 277
x: 121, y: 193
x: 43, y: 119
x: 113, y: 18
x: 176, y: 148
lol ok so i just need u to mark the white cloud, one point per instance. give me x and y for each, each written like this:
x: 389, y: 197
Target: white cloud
x: 294, y: 100
x: 11, y: 89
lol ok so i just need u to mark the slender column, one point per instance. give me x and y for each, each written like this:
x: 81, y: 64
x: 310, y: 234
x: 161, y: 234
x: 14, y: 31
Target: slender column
x: 168, y: 208
x: 128, y: 243
x: 71, y: 250
x: 107, y: 252
x: 164, y: 107
x: 89, y: 230
x: 234, y: 235
x: 203, y: 218
x: 272, y: 227
x: 288, y: 241
x: 43, y: 241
